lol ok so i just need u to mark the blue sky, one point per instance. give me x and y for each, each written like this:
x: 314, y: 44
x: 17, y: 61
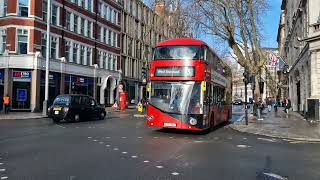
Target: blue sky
x: 271, y: 23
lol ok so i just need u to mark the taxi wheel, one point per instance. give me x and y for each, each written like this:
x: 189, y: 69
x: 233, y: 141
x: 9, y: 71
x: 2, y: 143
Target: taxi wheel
x: 102, y: 115
x: 76, y: 118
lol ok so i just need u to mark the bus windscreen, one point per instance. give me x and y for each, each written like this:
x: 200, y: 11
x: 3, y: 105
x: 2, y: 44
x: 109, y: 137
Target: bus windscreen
x: 177, y: 52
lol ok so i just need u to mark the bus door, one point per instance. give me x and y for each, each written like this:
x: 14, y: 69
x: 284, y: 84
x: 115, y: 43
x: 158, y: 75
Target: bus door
x: 217, y: 101
x: 207, y: 103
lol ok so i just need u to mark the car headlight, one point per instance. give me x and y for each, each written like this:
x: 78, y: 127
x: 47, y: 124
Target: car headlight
x: 192, y: 121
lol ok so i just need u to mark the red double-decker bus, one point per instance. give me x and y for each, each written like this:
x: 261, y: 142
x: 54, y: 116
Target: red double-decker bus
x: 190, y: 86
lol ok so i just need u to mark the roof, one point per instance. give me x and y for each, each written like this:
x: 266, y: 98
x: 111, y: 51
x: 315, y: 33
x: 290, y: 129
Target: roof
x: 182, y: 41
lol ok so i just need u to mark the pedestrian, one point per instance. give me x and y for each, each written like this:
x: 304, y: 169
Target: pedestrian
x: 275, y: 104
x: 287, y: 105
x: 259, y: 108
x: 6, y: 102
x: 269, y: 103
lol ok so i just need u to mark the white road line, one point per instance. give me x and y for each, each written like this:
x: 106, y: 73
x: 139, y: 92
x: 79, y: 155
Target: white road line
x: 134, y: 156
x: 155, y: 137
x: 124, y: 152
x: 1, y: 163
x: 244, y: 138
x: 140, y: 137
x: 243, y: 146
x: 107, y: 145
x: 95, y: 140
x: 170, y: 137
x: 77, y: 127
x: 89, y: 137
x: 159, y: 167
x: 123, y: 137
x: 146, y: 161
x: 115, y: 149
x: 266, y: 139
x: 108, y: 137
x: 60, y: 126
x: 101, y: 142
x: 4, y: 177
x: 2, y: 170
x: 175, y: 173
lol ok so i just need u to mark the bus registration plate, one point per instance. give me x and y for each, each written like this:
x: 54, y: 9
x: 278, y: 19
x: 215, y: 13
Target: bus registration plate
x: 170, y: 124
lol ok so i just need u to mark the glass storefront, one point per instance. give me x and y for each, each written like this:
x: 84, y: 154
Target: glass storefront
x: 54, y: 87
x: 78, y: 85
x: 21, y: 86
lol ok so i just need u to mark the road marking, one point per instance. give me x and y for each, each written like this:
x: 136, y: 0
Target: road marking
x: 170, y: 137
x: 77, y: 127
x: 230, y: 138
x: 175, y: 173
x: 216, y: 138
x: 198, y: 141
x: 134, y: 156
x: 95, y: 140
x: 266, y: 139
x: 159, y: 167
x: 243, y: 146
x: 108, y: 137
x: 107, y: 145
x: 140, y: 137
x: 1, y: 163
x: 89, y: 137
x: 115, y: 149
x: 123, y: 137
x: 2, y: 170
x: 146, y: 161
x: 155, y: 137
x: 61, y: 126
x: 4, y: 177
x: 275, y: 176
x: 244, y: 138
x: 124, y: 153
x: 101, y: 142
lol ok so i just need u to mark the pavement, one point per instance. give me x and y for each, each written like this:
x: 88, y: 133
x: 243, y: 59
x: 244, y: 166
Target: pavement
x: 121, y: 147
x: 20, y: 115
x: 280, y: 125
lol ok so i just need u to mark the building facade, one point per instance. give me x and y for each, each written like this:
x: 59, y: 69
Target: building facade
x: 142, y: 29
x: 84, y: 50
x: 299, y: 46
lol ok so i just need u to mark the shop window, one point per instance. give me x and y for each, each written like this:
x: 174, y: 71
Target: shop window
x: 22, y: 41
x: 23, y: 8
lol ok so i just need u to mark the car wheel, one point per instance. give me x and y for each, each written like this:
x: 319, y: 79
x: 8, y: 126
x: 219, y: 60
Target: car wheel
x: 76, y: 118
x: 102, y: 115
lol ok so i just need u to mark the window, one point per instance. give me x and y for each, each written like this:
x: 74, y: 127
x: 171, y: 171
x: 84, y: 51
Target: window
x: 88, y: 56
x: 105, y: 60
x: 53, y: 50
x: 89, y: 29
x: 23, y: 8
x: 83, y: 3
x: 105, y: 36
x: 82, y: 26
x: 99, y: 62
x: 110, y: 14
x: 82, y: 59
x: 22, y: 41
x: 67, y: 51
x: 90, y: 5
x: 43, y: 44
x: 5, y: 7
x: 99, y: 33
x: 109, y: 37
x: 68, y: 20
x: 3, y: 41
x: 115, y: 63
x: 76, y: 2
x: 54, y: 17
x: 99, y: 8
x: 114, y: 39
x: 115, y: 16
x: 106, y: 10
x: 75, y: 53
x: 109, y: 61
x: 44, y: 10
x: 75, y: 23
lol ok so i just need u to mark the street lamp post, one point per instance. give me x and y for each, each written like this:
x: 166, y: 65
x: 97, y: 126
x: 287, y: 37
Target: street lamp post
x: 95, y: 81
x: 45, y: 102
x: 119, y: 81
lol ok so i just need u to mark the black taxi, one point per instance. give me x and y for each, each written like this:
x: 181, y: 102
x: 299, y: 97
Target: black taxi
x: 75, y: 107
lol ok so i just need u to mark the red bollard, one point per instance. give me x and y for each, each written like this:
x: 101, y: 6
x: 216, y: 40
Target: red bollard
x: 123, y: 101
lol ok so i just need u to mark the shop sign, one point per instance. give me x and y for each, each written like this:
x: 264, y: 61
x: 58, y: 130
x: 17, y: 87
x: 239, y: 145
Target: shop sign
x: 22, y: 95
x: 22, y: 76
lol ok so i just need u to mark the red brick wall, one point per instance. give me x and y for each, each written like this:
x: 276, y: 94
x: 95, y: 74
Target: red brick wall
x: 12, y: 6
x: 11, y: 38
x: 36, y: 8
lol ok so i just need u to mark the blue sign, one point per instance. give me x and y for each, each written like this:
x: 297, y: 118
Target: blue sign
x: 22, y: 95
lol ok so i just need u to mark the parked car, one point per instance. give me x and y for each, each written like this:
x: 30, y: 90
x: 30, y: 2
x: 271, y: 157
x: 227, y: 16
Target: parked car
x: 237, y: 102
x: 75, y: 108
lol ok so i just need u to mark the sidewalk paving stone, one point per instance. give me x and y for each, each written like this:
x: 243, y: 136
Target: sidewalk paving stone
x: 279, y: 125
x: 21, y: 115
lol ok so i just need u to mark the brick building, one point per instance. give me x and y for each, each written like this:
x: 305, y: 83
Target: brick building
x: 84, y: 51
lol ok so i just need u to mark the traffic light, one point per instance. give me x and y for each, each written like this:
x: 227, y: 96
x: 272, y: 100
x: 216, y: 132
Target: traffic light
x: 144, y: 75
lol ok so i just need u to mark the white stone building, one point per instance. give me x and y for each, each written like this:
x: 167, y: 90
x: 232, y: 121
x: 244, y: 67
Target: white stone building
x: 299, y: 45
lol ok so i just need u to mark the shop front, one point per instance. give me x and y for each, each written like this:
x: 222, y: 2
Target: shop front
x: 21, y: 86
x: 54, y: 87
x: 1, y: 88
x: 78, y: 85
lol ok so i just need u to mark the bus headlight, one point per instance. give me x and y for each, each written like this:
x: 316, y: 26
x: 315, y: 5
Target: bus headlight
x: 192, y: 121
x: 150, y: 118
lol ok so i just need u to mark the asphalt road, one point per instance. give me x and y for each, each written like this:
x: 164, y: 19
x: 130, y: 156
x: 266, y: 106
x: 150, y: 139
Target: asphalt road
x: 121, y: 147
